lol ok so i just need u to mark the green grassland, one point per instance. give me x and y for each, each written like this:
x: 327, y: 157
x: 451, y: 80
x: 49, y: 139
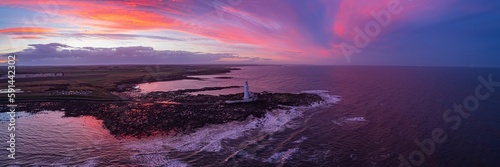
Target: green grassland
x: 101, y: 80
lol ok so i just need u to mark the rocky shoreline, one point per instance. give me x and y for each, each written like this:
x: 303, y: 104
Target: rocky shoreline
x: 173, y: 112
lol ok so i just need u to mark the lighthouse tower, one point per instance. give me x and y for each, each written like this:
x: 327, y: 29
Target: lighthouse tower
x: 246, y: 95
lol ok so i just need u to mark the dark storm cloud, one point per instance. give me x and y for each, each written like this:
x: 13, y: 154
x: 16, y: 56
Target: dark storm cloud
x: 60, y: 54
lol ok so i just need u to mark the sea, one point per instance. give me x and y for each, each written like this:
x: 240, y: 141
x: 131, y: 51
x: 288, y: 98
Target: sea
x: 371, y: 116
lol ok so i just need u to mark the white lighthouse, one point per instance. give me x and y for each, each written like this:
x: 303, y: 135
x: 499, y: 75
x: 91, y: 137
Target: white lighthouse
x: 246, y: 95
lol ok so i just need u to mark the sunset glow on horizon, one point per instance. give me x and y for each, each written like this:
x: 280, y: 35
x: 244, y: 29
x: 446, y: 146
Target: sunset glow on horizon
x: 366, y: 32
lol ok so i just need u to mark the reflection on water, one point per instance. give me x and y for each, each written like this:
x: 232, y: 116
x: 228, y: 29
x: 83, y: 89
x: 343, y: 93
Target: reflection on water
x: 47, y: 138
x: 258, y: 82
x: 207, y: 81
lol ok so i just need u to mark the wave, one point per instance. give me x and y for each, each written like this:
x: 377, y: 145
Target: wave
x: 319, y: 156
x: 89, y: 163
x: 302, y: 139
x: 157, y: 160
x: 281, y: 157
x: 347, y: 120
x: 324, y: 94
x: 356, y: 119
x: 276, y: 158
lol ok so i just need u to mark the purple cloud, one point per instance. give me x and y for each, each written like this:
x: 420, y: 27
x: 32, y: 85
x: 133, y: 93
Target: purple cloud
x: 60, y: 54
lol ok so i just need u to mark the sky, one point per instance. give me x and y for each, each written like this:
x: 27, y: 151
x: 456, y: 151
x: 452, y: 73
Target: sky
x: 322, y: 32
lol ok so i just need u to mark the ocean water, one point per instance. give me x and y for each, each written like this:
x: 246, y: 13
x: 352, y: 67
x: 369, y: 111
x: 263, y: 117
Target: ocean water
x: 372, y: 116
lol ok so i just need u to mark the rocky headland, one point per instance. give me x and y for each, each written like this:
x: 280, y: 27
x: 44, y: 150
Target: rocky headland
x: 172, y: 112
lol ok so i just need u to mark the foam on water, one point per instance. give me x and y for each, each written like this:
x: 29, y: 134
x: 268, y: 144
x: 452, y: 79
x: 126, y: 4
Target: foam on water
x: 319, y: 155
x: 89, y: 163
x: 281, y: 157
x: 276, y: 158
x: 328, y: 98
x: 210, y: 137
x: 157, y: 160
x: 346, y: 120
x: 356, y: 119
x: 302, y: 139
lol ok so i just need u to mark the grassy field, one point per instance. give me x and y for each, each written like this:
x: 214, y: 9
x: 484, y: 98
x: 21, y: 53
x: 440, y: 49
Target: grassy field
x: 101, y: 80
